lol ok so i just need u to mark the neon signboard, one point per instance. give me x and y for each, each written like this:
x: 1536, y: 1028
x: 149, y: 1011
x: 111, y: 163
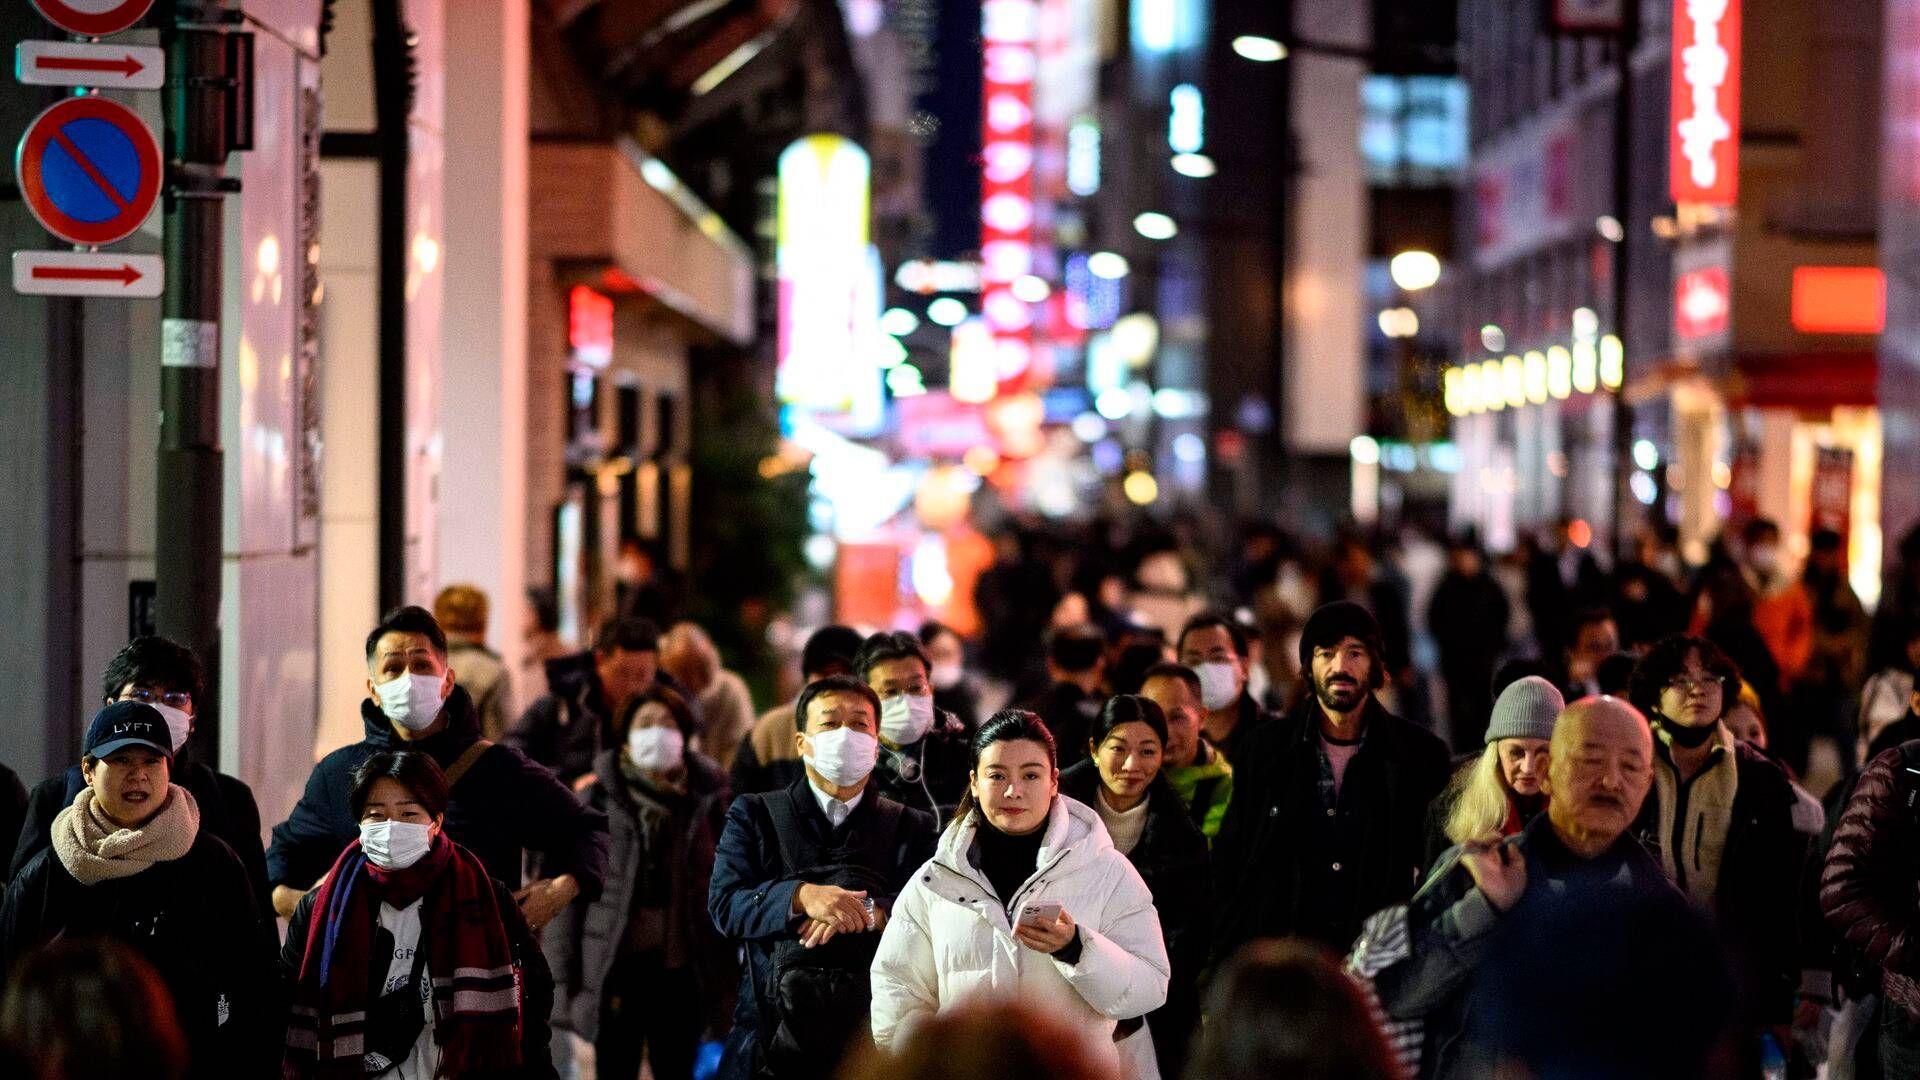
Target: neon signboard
x: 1703, y: 133
x: 824, y: 273
x: 1010, y: 30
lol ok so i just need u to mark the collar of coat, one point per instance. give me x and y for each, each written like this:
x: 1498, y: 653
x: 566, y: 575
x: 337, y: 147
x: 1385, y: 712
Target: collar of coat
x: 1073, y: 832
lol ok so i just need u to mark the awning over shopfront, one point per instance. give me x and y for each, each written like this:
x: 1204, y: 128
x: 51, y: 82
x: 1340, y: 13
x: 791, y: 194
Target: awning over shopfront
x: 1814, y: 380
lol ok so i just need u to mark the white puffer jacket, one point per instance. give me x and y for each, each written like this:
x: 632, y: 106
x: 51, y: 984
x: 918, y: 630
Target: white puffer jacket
x: 949, y: 938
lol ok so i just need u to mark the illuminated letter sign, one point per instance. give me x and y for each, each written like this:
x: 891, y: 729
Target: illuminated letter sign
x: 821, y: 252
x: 590, y: 326
x: 1703, y: 134
x: 1010, y: 30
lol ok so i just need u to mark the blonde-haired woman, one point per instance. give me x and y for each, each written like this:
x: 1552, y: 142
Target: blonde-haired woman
x: 1498, y: 792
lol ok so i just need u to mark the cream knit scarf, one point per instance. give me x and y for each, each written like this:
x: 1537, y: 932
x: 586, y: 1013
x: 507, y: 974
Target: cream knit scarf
x: 94, y: 849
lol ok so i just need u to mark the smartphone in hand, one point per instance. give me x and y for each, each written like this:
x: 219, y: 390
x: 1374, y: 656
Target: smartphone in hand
x: 1040, y: 913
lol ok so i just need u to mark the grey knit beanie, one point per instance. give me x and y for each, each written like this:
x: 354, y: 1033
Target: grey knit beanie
x: 1526, y: 710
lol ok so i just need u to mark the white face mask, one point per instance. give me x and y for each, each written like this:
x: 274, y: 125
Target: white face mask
x: 1219, y: 684
x: 412, y: 701
x: 179, y: 724
x: 656, y: 749
x: 906, y: 718
x: 843, y: 757
x: 947, y: 676
x: 395, y: 845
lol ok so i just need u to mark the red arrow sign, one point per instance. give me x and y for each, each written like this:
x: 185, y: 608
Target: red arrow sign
x: 127, y: 66
x: 125, y: 275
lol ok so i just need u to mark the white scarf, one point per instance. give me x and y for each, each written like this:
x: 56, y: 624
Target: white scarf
x: 94, y: 849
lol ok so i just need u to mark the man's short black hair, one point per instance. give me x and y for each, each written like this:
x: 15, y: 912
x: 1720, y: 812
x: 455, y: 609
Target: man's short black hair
x: 832, y: 684
x: 829, y: 647
x: 154, y: 662
x: 1207, y: 620
x: 412, y: 619
x: 1668, y: 658
x: 1167, y: 669
x: 885, y: 646
x: 629, y: 632
x: 1076, y: 648
x: 412, y: 769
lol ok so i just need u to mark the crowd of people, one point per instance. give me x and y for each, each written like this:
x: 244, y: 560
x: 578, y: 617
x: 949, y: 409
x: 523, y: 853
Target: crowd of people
x: 1402, y: 811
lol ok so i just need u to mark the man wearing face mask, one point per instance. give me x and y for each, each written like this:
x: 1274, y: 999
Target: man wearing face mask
x: 1217, y: 650
x: 502, y: 805
x: 166, y: 675
x: 805, y: 878
x: 924, y: 754
x: 1076, y: 663
x: 1327, y: 822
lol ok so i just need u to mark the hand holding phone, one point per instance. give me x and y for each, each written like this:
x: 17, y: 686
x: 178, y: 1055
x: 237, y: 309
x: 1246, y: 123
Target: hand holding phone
x: 1042, y: 914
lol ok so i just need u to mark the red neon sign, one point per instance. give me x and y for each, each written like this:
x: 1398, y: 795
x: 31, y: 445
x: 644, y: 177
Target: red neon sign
x: 1839, y: 300
x: 590, y: 326
x: 1011, y: 32
x: 1702, y: 302
x: 1703, y: 133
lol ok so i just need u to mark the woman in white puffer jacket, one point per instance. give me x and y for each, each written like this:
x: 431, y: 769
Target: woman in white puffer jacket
x: 1026, y: 898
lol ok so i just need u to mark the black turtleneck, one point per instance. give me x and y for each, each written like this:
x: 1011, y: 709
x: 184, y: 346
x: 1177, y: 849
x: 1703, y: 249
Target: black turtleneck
x: 1008, y: 861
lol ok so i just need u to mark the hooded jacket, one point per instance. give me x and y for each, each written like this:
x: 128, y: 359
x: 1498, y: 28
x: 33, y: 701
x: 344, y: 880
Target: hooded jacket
x: 1172, y: 859
x: 1286, y: 863
x: 503, y: 805
x: 195, y: 919
x: 950, y: 938
x: 585, y: 940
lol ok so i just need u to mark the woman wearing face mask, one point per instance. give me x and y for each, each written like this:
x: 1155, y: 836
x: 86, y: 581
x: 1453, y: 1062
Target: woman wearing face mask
x: 953, y: 688
x: 1497, y: 793
x: 408, y: 962
x: 1027, y: 897
x: 130, y: 861
x: 1720, y: 819
x: 1151, y: 827
x: 642, y: 967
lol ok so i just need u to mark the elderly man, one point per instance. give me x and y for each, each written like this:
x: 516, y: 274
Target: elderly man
x: 1601, y: 769
x: 720, y: 696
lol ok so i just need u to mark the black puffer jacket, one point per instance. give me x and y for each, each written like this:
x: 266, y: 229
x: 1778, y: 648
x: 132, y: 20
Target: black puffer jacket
x: 196, y: 920
x: 504, y: 805
x: 573, y: 721
x: 1172, y: 859
x: 1869, y: 885
x: 1283, y: 865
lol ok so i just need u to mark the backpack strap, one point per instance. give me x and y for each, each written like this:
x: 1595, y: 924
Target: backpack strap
x: 465, y: 761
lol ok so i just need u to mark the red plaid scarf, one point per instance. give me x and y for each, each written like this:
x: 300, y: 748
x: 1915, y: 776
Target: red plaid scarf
x: 477, y: 993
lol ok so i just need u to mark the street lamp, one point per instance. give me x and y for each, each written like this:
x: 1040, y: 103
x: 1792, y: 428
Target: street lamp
x: 1414, y: 270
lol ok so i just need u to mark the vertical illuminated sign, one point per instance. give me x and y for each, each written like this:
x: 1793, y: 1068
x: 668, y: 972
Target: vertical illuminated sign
x: 821, y: 255
x: 590, y: 326
x: 1010, y: 30
x: 1703, y: 133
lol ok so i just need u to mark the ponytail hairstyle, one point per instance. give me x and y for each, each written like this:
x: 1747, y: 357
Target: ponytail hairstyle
x: 1478, y: 798
x: 1007, y: 725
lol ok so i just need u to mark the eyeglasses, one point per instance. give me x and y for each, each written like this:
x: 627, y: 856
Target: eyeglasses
x: 176, y: 699
x: 1686, y: 685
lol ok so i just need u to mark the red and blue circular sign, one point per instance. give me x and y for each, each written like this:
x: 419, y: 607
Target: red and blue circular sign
x: 89, y: 170
x: 93, y: 18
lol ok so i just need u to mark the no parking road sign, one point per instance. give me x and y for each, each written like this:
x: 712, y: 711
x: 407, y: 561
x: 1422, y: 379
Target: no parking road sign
x: 93, y: 18
x: 89, y: 170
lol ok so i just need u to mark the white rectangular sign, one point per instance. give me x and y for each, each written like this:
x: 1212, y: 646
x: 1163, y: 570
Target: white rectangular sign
x: 73, y: 63
x: 77, y: 273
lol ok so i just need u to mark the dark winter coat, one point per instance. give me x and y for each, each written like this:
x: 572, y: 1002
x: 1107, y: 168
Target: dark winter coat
x: 503, y: 805
x: 570, y: 723
x: 1285, y: 863
x: 930, y: 775
x: 13, y: 812
x: 1868, y: 889
x: 1252, y: 718
x: 1171, y: 858
x: 751, y: 895
x: 1757, y: 899
x: 586, y: 939
x: 1069, y: 713
x: 227, y: 810
x: 196, y: 920
x: 536, y: 988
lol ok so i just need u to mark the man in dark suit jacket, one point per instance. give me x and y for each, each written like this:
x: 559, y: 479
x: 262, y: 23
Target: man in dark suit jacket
x: 818, y: 863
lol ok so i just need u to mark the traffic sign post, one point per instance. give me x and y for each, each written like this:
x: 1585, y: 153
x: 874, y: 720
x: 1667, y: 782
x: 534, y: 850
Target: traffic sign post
x: 93, y: 18
x: 89, y: 170
x: 78, y: 63
x: 87, y: 273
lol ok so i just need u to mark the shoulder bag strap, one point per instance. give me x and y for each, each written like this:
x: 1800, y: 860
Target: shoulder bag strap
x: 465, y: 761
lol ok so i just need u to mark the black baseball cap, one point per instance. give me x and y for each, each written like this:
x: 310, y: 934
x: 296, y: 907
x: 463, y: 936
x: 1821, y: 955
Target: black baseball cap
x: 128, y: 723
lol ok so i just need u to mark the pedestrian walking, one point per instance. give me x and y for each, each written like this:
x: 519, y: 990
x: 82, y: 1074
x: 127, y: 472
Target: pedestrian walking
x: 573, y: 722
x: 409, y: 961
x: 803, y: 879
x: 719, y: 697
x: 1076, y: 662
x: 642, y: 968
x: 923, y: 751
x: 1499, y: 792
x: 955, y: 688
x: 462, y: 611
x: 1199, y: 774
x: 1327, y: 823
x: 1218, y: 650
x: 129, y: 861
x: 500, y: 805
x: 1125, y: 784
x: 1026, y: 897
x: 768, y: 761
x: 160, y: 672
x: 1468, y: 617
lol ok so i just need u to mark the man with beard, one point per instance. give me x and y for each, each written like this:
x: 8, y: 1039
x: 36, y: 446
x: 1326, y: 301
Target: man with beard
x: 1326, y: 822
